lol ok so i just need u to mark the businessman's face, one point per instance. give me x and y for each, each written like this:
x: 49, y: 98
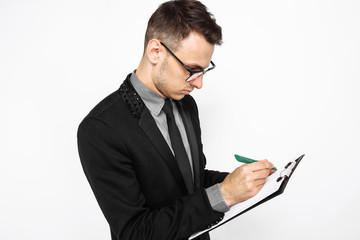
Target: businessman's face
x: 195, y: 52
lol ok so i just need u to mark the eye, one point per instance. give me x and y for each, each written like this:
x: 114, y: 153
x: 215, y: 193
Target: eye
x: 196, y: 69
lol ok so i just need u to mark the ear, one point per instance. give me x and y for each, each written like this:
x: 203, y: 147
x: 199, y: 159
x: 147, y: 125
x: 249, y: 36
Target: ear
x: 153, y: 51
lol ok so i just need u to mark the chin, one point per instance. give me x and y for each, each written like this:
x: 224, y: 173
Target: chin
x: 177, y: 97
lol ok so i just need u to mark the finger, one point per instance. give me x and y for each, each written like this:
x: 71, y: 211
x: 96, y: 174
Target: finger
x: 256, y: 189
x: 267, y: 161
x: 268, y: 164
x: 269, y: 171
x: 259, y: 183
x: 261, y: 165
x: 261, y: 174
x: 256, y: 166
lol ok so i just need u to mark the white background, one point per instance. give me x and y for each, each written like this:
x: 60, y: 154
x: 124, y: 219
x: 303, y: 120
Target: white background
x: 287, y: 82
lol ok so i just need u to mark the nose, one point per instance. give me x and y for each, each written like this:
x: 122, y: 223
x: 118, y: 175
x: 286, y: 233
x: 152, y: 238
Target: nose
x: 197, y: 83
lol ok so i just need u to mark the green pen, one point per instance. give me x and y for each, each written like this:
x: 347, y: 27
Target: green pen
x: 247, y: 160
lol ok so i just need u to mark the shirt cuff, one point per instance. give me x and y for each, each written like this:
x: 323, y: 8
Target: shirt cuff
x: 216, y: 199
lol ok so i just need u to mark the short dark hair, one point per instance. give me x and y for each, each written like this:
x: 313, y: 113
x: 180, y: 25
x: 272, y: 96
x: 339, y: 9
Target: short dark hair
x: 174, y: 20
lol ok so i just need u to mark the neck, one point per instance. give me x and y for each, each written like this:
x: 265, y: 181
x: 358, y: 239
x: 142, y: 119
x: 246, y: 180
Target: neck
x: 144, y: 73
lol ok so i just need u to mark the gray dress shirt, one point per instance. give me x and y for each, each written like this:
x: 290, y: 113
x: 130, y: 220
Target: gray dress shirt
x: 155, y: 103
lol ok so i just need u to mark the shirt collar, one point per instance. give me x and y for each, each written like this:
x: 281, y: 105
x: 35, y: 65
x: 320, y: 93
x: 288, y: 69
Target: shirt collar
x: 153, y: 101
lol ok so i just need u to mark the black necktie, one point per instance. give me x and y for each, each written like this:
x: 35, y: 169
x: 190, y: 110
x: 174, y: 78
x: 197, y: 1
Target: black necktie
x: 178, y: 146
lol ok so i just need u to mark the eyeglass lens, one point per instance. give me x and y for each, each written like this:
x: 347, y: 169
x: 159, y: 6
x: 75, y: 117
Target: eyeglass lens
x: 194, y: 76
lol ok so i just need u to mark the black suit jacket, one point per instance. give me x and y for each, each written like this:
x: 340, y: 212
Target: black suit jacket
x: 134, y: 175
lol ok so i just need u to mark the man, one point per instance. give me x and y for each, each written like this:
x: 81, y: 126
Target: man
x: 141, y: 146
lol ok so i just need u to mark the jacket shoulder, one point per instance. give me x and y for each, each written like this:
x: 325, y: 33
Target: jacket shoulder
x: 116, y: 107
x: 107, y: 108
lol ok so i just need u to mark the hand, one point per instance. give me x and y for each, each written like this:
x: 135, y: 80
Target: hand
x: 245, y: 181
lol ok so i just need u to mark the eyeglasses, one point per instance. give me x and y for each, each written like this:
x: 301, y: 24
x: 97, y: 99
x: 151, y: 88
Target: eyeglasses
x: 193, y: 74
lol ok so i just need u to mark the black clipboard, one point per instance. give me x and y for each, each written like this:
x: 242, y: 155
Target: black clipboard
x: 285, y: 175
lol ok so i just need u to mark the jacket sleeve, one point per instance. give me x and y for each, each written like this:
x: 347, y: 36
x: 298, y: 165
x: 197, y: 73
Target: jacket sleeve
x: 213, y: 177
x: 109, y: 169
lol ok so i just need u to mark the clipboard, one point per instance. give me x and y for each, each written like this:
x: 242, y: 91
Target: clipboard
x: 274, y: 186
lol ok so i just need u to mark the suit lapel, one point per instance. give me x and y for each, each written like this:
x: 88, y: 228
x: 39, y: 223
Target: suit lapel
x: 148, y: 125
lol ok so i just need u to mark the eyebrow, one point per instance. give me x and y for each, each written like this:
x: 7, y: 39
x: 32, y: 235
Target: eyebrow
x: 191, y: 66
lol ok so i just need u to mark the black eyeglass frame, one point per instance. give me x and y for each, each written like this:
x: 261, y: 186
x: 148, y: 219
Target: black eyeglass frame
x: 192, y: 73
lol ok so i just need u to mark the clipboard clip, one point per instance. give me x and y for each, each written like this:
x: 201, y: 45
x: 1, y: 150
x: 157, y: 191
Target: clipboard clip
x: 288, y: 169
